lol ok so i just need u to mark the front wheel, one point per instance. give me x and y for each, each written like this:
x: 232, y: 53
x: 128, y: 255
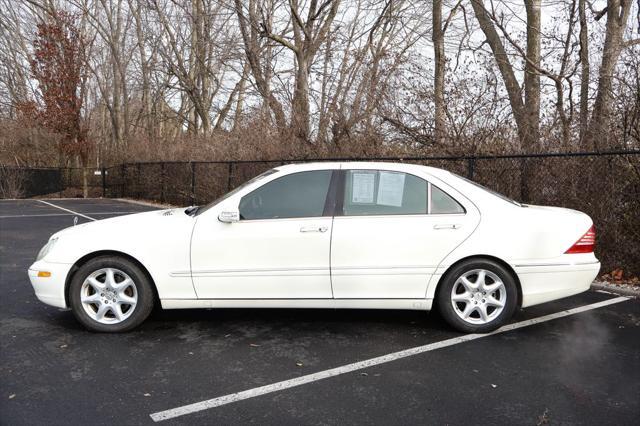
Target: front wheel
x: 477, y: 296
x: 110, y: 294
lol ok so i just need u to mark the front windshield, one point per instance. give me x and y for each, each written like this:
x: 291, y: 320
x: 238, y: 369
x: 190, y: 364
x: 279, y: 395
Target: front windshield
x: 229, y: 194
x: 490, y: 191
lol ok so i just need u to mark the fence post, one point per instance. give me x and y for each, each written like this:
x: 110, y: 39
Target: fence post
x: 525, y: 176
x: 123, y: 172
x: 104, y: 182
x: 193, y: 183
x: 229, y: 175
x: 162, y: 182
x: 138, y: 180
x: 471, y: 167
x: 65, y: 182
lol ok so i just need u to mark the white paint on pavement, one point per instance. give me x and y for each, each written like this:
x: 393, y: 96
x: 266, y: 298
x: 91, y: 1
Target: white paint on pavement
x: 298, y: 381
x: 67, y: 210
x: 62, y: 214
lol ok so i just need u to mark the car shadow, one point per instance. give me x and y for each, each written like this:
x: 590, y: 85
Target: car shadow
x: 319, y: 318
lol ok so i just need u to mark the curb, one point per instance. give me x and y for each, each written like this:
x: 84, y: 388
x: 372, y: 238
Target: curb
x: 142, y: 203
x: 612, y: 288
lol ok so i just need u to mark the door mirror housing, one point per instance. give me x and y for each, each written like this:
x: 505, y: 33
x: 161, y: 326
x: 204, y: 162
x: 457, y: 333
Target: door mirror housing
x: 229, y: 216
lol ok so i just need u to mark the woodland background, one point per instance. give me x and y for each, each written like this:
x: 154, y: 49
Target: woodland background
x: 97, y: 82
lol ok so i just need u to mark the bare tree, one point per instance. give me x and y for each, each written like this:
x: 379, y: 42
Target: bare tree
x: 196, y: 54
x: 525, y: 113
x: 440, y: 61
x: 585, y: 70
x: 309, y: 33
x: 253, y: 47
x: 617, y: 12
x: 532, y: 75
x: 301, y: 77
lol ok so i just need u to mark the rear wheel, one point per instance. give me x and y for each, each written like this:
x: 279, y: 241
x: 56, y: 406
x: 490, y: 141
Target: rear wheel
x: 477, y: 296
x: 110, y: 294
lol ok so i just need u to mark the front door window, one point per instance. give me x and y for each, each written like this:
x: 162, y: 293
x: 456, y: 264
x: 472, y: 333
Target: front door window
x: 292, y: 196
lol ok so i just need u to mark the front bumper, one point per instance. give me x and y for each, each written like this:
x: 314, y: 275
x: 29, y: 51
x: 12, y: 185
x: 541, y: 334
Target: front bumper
x: 50, y: 290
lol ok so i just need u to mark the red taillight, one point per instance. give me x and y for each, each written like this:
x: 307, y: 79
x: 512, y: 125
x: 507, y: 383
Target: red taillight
x: 585, y: 244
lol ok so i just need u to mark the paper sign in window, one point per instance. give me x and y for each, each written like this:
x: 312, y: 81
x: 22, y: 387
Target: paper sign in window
x: 362, y: 187
x: 391, y: 189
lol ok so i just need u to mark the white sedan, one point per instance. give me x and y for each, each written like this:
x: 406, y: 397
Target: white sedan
x: 325, y: 235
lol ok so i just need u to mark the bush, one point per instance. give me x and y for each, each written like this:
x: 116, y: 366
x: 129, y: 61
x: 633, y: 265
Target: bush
x: 12, y: 180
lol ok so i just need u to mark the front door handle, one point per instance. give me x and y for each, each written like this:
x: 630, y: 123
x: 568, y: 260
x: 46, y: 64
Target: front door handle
x: 313, y: 228
x: 447, y: 226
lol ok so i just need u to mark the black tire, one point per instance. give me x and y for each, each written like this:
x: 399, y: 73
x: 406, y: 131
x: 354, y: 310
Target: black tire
x: 445, y: 304
x: 143, y: 287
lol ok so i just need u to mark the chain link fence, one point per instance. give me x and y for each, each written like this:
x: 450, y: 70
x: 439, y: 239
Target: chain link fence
x: 21, y: 182
x: 604, y: 185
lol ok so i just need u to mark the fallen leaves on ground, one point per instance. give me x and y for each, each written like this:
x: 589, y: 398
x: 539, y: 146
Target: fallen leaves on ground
x: 618, y: 276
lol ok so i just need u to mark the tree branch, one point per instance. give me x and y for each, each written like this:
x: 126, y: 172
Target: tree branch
x: 264, y: 32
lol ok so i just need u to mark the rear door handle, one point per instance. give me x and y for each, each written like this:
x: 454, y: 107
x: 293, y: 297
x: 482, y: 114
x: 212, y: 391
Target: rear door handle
x: 447, y: 226
x: 313, y: 229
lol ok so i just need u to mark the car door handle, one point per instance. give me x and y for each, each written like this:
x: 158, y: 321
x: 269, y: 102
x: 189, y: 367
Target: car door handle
x: 313, y: 229
x: 447, y: 226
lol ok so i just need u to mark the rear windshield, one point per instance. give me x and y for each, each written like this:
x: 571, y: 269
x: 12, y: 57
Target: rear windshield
x: 490, y: 191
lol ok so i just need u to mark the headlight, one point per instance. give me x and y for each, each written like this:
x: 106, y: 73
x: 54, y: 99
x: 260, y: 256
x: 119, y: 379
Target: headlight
x: 47, y: 248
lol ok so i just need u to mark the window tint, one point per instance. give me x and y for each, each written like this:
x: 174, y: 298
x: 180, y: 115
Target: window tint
x: 442, y: 203
x: 233, y: 192
x: 490, y: 191
x: 296, y: 195
x: 379, y: 192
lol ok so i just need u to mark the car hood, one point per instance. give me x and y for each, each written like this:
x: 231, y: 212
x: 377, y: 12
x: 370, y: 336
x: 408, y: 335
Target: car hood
x: 129, y: 224
x: 141, y: 235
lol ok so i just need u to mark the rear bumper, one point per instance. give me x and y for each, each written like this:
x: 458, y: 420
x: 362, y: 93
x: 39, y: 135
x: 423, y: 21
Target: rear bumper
x: 544, y: 283
x: 50, y: 290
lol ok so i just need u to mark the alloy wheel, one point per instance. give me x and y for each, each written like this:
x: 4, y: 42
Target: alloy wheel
x: 478, y: 296
x: 109, y: 296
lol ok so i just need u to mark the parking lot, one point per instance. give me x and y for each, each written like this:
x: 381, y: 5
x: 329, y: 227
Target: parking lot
x: 574, y: 361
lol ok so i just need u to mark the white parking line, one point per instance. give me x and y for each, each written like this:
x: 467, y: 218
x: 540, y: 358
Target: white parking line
x: 61, y: 214
x: 67, y: 210
x: 286, y: 384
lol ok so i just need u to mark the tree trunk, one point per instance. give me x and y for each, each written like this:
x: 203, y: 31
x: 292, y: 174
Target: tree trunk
x: 237, y: 116
x: 85, y: 181
x: 439, y: 70
x: 504, y: 65
x: 248, y: 29
x: 527, y: 116
x: 617, y: 14
x: 300, y: 103
x: 532, y: 77
x: 585, y: 70
x: 116, y: 114
x: 222, y: 115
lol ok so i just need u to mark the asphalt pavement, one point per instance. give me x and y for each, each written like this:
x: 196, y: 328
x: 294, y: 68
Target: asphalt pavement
x: 302, y: 366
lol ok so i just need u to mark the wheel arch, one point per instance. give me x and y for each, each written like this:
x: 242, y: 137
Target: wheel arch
x: 87, y: 257
x: 482, y: 257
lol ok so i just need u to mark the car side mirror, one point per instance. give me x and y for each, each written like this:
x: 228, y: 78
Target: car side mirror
x: 229, y: 216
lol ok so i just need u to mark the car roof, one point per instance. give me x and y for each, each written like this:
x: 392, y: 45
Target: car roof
x: 381, y: 165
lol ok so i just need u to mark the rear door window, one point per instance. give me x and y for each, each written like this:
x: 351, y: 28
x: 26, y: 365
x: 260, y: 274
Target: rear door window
x: 381, y: 192
x: 443, y: 203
